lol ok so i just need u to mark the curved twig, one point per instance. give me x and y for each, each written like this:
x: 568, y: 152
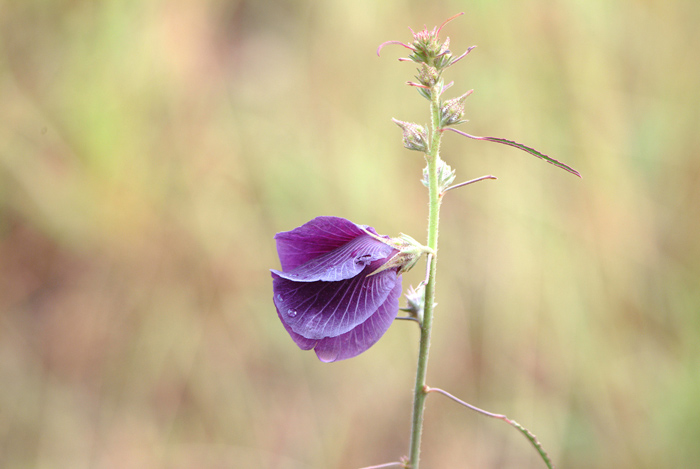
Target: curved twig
x: 528, y: 434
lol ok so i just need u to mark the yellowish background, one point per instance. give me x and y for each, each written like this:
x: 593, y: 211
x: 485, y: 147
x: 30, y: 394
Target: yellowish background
x: 149, y: 151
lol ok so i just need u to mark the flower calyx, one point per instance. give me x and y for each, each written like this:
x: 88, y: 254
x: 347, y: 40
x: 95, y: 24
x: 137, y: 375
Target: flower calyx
x: 409, y: 252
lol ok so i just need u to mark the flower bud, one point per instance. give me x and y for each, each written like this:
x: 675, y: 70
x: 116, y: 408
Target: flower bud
x: 452, y: 110
x: 415, y: 137
x: 428, y: 75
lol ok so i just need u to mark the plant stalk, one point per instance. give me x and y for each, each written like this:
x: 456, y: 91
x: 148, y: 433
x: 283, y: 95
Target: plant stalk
x: 420, y: 391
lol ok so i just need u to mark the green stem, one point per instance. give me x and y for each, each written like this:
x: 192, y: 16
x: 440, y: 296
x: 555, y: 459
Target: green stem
x: 420, y: 391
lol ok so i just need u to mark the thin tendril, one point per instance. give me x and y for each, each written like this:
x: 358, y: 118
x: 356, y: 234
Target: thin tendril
x: 399, y: 43
x: 448, y: 20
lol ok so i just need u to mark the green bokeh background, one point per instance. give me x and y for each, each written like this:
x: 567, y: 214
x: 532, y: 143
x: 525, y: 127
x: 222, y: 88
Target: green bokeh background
x: 149, y: 151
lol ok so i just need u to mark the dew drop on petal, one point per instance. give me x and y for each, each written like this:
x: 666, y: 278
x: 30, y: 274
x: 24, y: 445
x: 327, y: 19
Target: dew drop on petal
x: 291, y: 313
x: 279, y: 297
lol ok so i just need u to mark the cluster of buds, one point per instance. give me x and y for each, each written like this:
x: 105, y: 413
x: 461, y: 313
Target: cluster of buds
x: 433, y: 56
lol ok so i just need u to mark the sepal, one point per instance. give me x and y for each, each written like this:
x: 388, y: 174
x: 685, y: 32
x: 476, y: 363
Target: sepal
x: 445, y: 174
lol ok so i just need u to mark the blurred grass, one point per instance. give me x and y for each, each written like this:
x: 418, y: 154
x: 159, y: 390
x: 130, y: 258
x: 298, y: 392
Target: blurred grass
x: 150, y: 150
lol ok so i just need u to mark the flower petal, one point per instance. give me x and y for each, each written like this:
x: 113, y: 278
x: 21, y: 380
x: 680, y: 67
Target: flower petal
x: 341, y: 263
x: 301, y: 341
x: 314, y: 238
x: 363, y: 336
x: 317, y: 310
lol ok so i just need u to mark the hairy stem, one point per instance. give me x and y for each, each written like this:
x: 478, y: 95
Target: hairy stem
x: 420, y: 393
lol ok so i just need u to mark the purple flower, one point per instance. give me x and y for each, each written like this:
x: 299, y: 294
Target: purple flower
x: 339, y: 287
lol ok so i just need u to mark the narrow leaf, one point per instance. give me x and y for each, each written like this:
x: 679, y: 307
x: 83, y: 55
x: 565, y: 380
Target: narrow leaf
x: 520, y: 146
